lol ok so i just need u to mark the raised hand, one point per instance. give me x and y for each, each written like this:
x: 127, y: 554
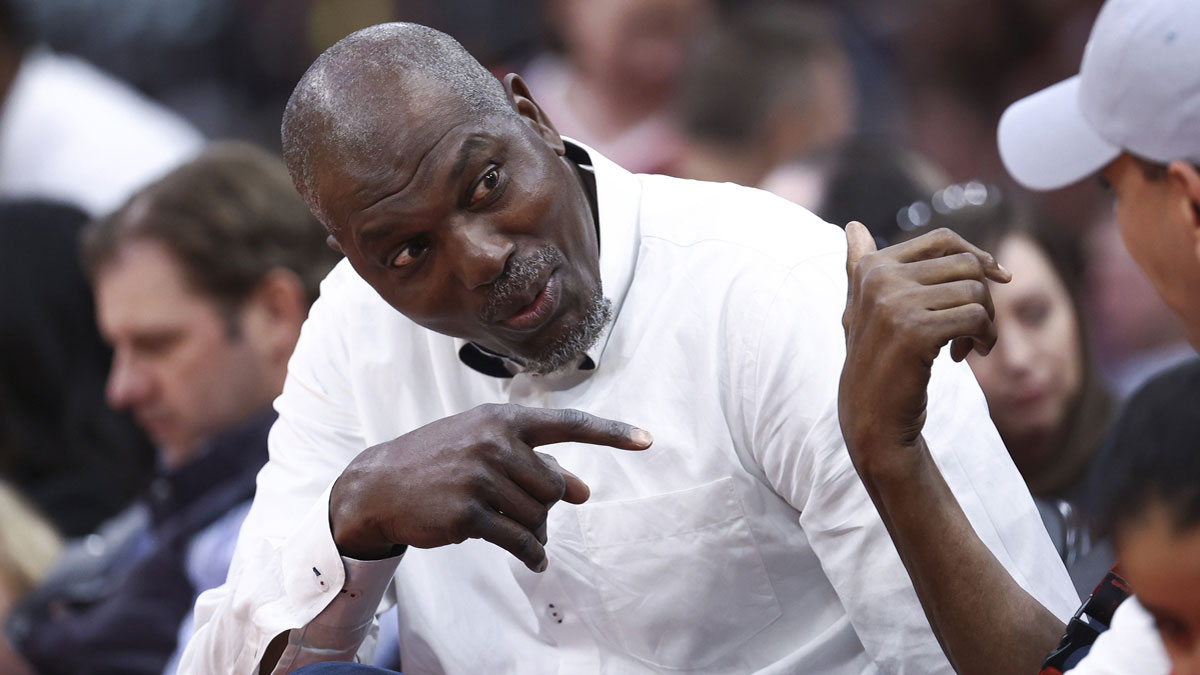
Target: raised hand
x: 903, y: 305
x: 471, y: 475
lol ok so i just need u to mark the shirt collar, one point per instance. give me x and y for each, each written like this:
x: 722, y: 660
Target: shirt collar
x: 615, y: 209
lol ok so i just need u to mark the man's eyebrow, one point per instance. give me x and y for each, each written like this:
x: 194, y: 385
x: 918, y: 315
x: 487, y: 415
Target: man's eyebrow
x: 469, y: 146
x: 372, y: 233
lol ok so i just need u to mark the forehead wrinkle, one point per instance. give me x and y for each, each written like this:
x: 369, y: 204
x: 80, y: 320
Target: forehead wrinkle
x: 374, y: 228
x: 380, y: 197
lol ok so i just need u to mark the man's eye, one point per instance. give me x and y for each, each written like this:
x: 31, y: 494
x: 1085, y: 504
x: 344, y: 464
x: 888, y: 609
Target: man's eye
x: 409, y: 254
x: 155, y: 344
x: 485, y: 186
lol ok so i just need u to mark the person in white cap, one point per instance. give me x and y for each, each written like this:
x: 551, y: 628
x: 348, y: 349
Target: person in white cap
x: 1132, y: 116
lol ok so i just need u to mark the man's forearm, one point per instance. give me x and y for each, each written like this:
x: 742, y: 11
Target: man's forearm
x: 985, y: 622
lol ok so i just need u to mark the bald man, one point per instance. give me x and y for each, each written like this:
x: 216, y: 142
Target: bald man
x: 506, y: 290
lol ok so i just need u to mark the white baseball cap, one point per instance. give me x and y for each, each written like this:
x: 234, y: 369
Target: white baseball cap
x: 1138, y: 90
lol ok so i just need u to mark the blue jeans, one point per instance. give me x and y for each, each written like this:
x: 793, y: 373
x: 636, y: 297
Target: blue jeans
x: 339, y: 668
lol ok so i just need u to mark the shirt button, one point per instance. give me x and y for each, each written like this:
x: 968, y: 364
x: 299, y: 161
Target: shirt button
x: 321, y: 583
x: 554, y: 613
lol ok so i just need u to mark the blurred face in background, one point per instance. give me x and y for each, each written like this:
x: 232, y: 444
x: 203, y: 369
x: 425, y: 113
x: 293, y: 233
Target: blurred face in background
x: 1035, y: 371
x: 635, y: 44
x: 1162, y: 564
x: 177, y: 365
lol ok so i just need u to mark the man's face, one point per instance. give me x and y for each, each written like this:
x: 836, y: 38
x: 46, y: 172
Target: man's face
x: 1150, y: 217
x: 175, y: 366
x: 474, y: 228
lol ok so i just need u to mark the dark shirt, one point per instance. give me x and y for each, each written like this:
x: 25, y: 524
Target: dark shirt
x: 115, y: 601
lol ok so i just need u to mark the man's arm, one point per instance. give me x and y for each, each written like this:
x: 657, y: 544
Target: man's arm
x: 787, y: 407
x: 904, y: 304
x: 323, y: 502
x: 471, y: 475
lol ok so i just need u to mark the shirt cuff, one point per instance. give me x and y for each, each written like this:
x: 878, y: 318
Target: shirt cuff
x: 338, y: 631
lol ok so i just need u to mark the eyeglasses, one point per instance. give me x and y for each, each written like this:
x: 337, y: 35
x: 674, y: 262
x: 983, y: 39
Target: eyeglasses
x: 946, y: 201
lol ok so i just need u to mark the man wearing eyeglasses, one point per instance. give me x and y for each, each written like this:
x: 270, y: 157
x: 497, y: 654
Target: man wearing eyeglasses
x: 1132, y: 117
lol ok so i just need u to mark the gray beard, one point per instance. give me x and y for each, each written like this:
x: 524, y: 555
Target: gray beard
x: 574, y: 340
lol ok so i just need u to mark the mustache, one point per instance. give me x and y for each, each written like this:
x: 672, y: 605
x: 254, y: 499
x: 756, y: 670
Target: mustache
x: 518, y: 274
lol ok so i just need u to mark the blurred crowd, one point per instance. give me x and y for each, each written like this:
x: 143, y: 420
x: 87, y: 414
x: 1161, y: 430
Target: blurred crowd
x: 157, y: 280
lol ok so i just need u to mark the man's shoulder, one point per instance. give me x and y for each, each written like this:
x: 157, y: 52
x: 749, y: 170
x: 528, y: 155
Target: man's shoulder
x: 754, y: 222
x: 348, y: 292
x: 347, y: 305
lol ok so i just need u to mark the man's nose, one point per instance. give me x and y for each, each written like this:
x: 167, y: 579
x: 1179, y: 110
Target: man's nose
x: 480, y: 253
x: 128, y: 382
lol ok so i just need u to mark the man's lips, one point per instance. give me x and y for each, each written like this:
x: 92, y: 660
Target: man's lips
x: 154, y: 425
x: 535, y: 312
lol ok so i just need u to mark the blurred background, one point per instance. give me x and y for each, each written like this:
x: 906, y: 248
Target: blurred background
x: 853, y: 108
x: 874, y: 110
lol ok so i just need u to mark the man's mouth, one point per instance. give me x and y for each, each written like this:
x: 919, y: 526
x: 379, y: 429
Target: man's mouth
x: 533, y: 314
x: 154, y: 425
x: 528, y: 293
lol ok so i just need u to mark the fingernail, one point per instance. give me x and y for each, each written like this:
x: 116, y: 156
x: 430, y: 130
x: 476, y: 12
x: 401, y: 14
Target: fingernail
x: 1003, y: 269
x: 641, y: 437
x: 542, y: 566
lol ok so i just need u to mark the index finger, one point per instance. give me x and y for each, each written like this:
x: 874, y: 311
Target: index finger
x: 545, y: 426
x: 943, y: 242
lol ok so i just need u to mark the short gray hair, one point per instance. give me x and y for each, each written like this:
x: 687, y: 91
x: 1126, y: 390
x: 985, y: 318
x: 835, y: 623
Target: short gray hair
x: 332, y: 114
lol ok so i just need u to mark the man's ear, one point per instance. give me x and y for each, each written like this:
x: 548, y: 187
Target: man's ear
x: 522, y: 101
x: 272, y: 315
x: 1187, y: 178
x: 332, y: 242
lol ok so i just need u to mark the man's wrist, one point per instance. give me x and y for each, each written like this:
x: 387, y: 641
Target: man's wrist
x: 352, y: 543
x: 353, y: 534
x: 884, y: 465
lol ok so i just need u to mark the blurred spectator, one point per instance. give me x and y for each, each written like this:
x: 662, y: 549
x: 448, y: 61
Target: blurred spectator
x: 1048, y: 402
x: 61, y: 446
x: 870, y: 179
x: 1154, y: 512
x: 28, y: 546
x: 202, y: 281
x: 1137, y: 335
x: 765, y: 83
x: 69, y: 132
x: 617, y: 73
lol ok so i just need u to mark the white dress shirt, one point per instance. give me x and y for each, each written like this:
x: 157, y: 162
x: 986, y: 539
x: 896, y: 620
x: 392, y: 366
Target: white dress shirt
x: 1130, y: 645
x: 69, y: 132
x: 741, y: 541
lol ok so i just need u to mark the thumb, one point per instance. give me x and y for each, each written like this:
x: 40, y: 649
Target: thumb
x: 859, y: 243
